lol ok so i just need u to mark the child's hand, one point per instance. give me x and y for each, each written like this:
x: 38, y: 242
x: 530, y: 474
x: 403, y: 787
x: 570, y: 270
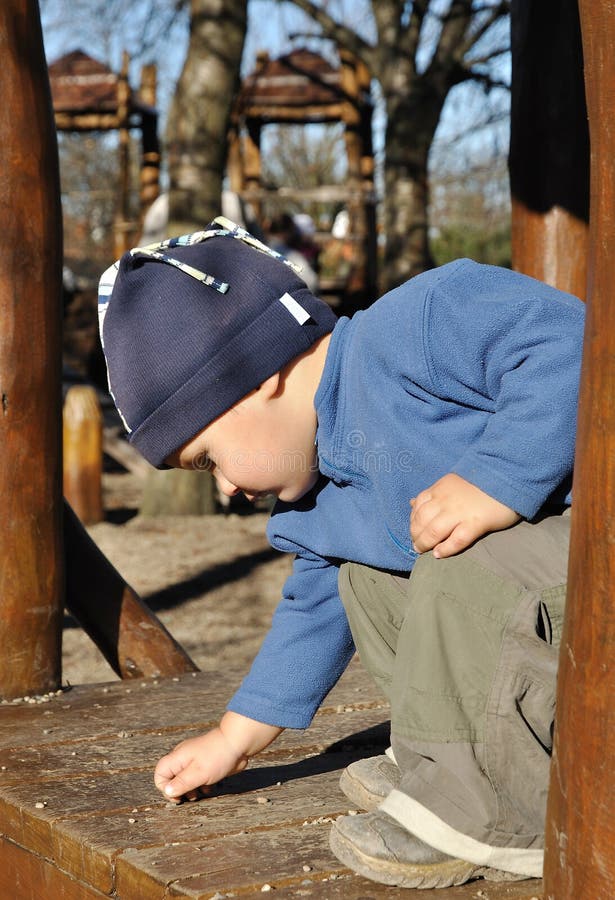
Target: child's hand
x: 205, y: 760
x: 451, y: 514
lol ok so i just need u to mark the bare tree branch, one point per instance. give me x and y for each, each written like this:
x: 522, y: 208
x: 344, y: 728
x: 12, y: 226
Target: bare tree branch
x: 340, y: 34
x: 454, y: 28
x: 496, y: 12
x: 415, y: 25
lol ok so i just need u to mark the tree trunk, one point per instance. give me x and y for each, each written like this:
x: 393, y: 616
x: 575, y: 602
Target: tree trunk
x: 411, y: 125
x: 199, y: 115
x: 197, y: 148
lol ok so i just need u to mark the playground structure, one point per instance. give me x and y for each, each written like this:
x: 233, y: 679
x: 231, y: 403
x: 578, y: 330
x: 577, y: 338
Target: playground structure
x: 302, y: 88
x: 88, y: 96
x: 67, y: 828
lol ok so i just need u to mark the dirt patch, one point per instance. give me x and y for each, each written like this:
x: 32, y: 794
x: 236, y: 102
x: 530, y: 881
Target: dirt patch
x: 214, y: 581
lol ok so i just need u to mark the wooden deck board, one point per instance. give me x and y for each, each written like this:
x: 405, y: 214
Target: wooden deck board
x: 80, y: 815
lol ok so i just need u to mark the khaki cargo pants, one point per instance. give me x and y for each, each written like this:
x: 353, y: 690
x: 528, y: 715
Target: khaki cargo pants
x: 466, y: 650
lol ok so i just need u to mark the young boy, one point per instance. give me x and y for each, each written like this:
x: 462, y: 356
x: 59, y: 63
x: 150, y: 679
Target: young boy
x: 421, y: 454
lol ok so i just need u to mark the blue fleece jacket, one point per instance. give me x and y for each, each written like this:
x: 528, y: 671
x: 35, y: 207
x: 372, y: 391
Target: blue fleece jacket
x: 467, y: 368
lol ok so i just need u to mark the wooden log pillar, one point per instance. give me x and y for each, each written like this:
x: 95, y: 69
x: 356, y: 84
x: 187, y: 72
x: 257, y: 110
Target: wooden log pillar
x: 83, y: 450
x: 234, y: 162
x: 580, y: 833
x: 252, y: 166
x: 31, y: 564
x: 549, y: 144
x: 122, y: 225
x: 354, y: 153
x: 128, y: 634
x: 367, y: 182
x: 150, y: 145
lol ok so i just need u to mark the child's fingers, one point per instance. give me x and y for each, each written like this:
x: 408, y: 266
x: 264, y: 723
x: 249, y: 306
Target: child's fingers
x: 430, y: 526
x: 460, y: 537
x: 174, y: 778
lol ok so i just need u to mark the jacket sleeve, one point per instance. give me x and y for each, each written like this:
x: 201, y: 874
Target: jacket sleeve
x: 511, y: 345
x: 305, y: 652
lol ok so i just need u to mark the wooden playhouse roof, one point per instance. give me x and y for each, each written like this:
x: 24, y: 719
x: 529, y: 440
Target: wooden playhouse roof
x: 299, y: 85
x: 83, y: 85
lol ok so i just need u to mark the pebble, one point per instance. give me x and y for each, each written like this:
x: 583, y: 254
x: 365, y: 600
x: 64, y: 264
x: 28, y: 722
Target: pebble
x: 307, y: 868
x: 265, y: 888
x: 131, y: 821
x: 263, y: 800
x: 40, y: 804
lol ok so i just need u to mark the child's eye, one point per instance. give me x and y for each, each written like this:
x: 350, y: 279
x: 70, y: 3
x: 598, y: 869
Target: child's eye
x: 202, y: 462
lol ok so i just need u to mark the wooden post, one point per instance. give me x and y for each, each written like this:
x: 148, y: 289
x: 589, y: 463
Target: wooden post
x: 580, y: 833
x: 82, y: 458
x: 354, y: 152
x: 133, y: 641
x: 252, y: 166
x: 150, y: 146
x: 122, y: 218
x: 30, y: 393
x: 549, y: 145
x: 234, y: 163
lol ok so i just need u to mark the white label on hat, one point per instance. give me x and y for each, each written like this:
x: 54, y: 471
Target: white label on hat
x: 294, y: 308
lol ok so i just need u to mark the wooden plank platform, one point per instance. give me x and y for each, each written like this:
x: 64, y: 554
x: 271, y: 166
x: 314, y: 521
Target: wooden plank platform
x: 80, y: 817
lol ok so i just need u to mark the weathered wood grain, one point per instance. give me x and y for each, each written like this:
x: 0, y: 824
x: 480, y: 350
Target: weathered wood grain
x: 31, y: 565
x: 580, y: 830
x: 28, y: 877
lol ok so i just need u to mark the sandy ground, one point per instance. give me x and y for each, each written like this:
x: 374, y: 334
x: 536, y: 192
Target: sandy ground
x: 214, y: 581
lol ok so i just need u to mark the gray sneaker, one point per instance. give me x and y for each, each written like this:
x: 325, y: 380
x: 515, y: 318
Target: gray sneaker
x: 376, y: 846
x: 367, y: 782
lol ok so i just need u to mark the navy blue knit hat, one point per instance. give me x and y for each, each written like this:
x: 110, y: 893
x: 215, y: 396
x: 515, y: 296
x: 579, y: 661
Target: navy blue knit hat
x: 185, y: 341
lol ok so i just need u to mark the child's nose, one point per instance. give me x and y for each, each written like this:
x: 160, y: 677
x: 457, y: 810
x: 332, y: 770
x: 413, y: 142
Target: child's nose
x: 227, y: 487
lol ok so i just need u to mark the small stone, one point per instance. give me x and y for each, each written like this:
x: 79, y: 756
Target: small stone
x: 353, y: 812
x: 123, y: 734
x: 3, y: 768
x: 175, y: 678
x: 40, y: 804
x: 131, y: 821
x: 263, y: 800
x: 265, y: 888
x: 46, y: 730
x: 105, y: 762
x: 307, y: 868
x: 105, y: 690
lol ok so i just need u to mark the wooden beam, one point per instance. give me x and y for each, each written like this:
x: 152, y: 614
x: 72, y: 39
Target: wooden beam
x: 580, y: 832
x: 549, y: 145
x: 131, y: 638
x: 30, y: 352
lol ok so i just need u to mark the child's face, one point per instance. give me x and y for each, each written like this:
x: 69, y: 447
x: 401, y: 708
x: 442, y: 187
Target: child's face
x: 260, y: 446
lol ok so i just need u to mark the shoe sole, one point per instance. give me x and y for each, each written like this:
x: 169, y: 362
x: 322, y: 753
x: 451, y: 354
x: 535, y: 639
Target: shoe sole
x: 358, y: 794
x: 438, y: 875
